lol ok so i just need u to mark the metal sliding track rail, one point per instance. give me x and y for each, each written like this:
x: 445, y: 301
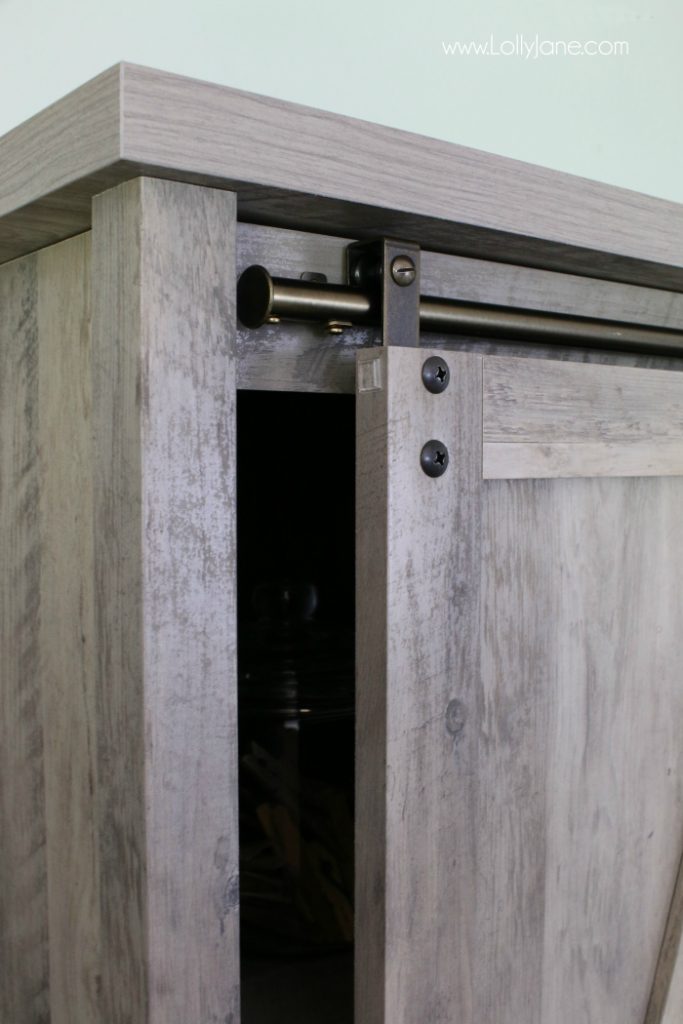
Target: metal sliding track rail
x: 262, y: 299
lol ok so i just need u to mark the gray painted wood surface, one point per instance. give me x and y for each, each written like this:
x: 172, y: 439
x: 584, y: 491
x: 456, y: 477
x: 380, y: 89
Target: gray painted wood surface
x: 666, y: 997
x: 163, y: 339
x: 544, y: 418
x: 413, y: 684
x: 67, y: 629
x: 284, y: 162
x: 519, y: 719
x: 54, y: 163
x: 673, y: 1011
x: 24, y: 968
x: 303, y: 357
x: 49, y: 962
x: 164, y: 381
x: 538, y: 459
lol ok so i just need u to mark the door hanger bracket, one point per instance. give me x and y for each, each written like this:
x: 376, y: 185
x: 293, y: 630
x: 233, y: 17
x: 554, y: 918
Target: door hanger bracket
x: 390, y: 268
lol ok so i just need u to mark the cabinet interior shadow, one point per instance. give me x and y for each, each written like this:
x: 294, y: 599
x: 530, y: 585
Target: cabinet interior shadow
x: 296, y: 550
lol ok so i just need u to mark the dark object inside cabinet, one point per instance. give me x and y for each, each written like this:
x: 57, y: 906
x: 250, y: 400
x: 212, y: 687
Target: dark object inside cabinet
x: 296, y: 602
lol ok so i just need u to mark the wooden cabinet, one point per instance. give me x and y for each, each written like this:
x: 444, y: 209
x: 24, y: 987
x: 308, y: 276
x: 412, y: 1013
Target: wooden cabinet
x: 518, y: 616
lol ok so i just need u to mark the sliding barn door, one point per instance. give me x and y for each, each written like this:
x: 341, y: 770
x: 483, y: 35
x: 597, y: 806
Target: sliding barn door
x: 520, y: 691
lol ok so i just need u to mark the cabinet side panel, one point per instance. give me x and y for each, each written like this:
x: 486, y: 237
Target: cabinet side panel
x: 67, y: 628
x: 163, y: 329
x: 24, y: 995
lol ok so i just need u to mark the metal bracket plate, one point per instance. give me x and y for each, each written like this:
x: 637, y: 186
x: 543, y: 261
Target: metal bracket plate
x: 392, y: 267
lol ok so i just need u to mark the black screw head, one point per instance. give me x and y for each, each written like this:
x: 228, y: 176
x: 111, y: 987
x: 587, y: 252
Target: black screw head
x: 436, y: 375
x: 434, y: 458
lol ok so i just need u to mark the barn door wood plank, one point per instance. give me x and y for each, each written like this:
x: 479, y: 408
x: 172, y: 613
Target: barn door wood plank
x: 519, y: 707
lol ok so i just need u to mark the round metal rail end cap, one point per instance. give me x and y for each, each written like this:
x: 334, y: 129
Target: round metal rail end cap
x: 254, y: 296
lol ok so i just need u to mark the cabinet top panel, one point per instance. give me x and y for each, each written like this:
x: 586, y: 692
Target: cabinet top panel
x: 295, y: 166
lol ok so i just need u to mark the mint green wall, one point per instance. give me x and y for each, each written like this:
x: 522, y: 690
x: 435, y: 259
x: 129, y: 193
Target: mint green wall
x: 614, y: 118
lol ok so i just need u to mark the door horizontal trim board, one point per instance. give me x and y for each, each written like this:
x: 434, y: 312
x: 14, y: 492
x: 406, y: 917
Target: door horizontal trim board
x: 600, y: 458
x: 547, y: 418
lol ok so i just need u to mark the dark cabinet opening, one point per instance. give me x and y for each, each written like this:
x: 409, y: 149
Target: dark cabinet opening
x: 296, y: 604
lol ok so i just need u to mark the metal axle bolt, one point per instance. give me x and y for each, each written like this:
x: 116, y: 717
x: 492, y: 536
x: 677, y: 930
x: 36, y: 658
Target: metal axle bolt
x: 403, y: 270
x: 338, y: 326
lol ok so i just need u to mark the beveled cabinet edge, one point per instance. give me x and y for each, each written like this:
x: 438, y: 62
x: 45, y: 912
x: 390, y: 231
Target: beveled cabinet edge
x: 54, y: 163
x: 133, y: 120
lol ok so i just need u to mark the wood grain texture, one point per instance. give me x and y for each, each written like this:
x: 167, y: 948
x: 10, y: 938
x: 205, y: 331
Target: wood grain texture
x: 282, y: 160
x: 531, y: 701
x: 456, y: 198
x: 163, y: 340
x: 48, y: 869
x: 66, y: 628
x: 673, y: 1011
x: 536, y: 460
x: 24, y: 971
x: 415, y: 940
x: 581, y: 670
x: 545, y: 418
x: 539, y: 400
x: 55, y: 162
x: 666, y: 997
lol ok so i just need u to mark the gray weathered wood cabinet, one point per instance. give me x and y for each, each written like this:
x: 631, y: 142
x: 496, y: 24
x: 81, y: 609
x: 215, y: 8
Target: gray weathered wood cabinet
x: 519, y: 618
